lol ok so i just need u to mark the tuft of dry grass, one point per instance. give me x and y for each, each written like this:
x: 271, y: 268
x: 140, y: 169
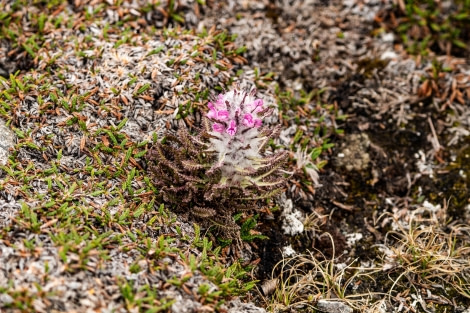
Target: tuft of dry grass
x: 423, y: 262
x: 307, y: 278
x: 428, y: 256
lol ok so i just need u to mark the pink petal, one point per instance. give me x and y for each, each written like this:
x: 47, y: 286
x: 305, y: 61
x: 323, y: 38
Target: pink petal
x: 212, y: 112
x: 222, y: 115
x: 257, y: 104
x: 232, y: 128
x: 218, y: 127
x: 258, y: 122
x: 220, y: 101
x: 248, y: 120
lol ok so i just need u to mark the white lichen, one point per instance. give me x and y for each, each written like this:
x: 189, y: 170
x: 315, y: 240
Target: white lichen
x: 292, y: 220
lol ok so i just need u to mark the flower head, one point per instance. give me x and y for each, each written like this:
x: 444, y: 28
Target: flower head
x: 235, y: 111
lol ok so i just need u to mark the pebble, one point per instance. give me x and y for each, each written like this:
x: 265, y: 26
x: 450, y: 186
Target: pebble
x: 5, y: 298
x: 236, y: 306
x: 328, y: 306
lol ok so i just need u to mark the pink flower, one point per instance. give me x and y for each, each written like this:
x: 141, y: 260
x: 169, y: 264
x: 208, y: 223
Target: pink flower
x: 257, y: 105
x: 220, y: 101
x: 212, y: 111
x: 232, y: 129
x: 235, y: 109
x: 222, y: 115
x: 248, y: 120
x: 218, y: 127
x: 258, y: 102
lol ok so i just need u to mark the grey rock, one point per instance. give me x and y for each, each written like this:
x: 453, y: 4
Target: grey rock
x: 5, y: 298
x: 236, y: 306
x: 7, y: 141
x: 329, y: 306
x: 182, y: 304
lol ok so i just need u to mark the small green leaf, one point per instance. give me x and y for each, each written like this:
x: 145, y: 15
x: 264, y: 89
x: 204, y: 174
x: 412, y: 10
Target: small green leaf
x: 155, y: 51
x: 460, y: 43
x: 143, y: 88
x: 122, y: 124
